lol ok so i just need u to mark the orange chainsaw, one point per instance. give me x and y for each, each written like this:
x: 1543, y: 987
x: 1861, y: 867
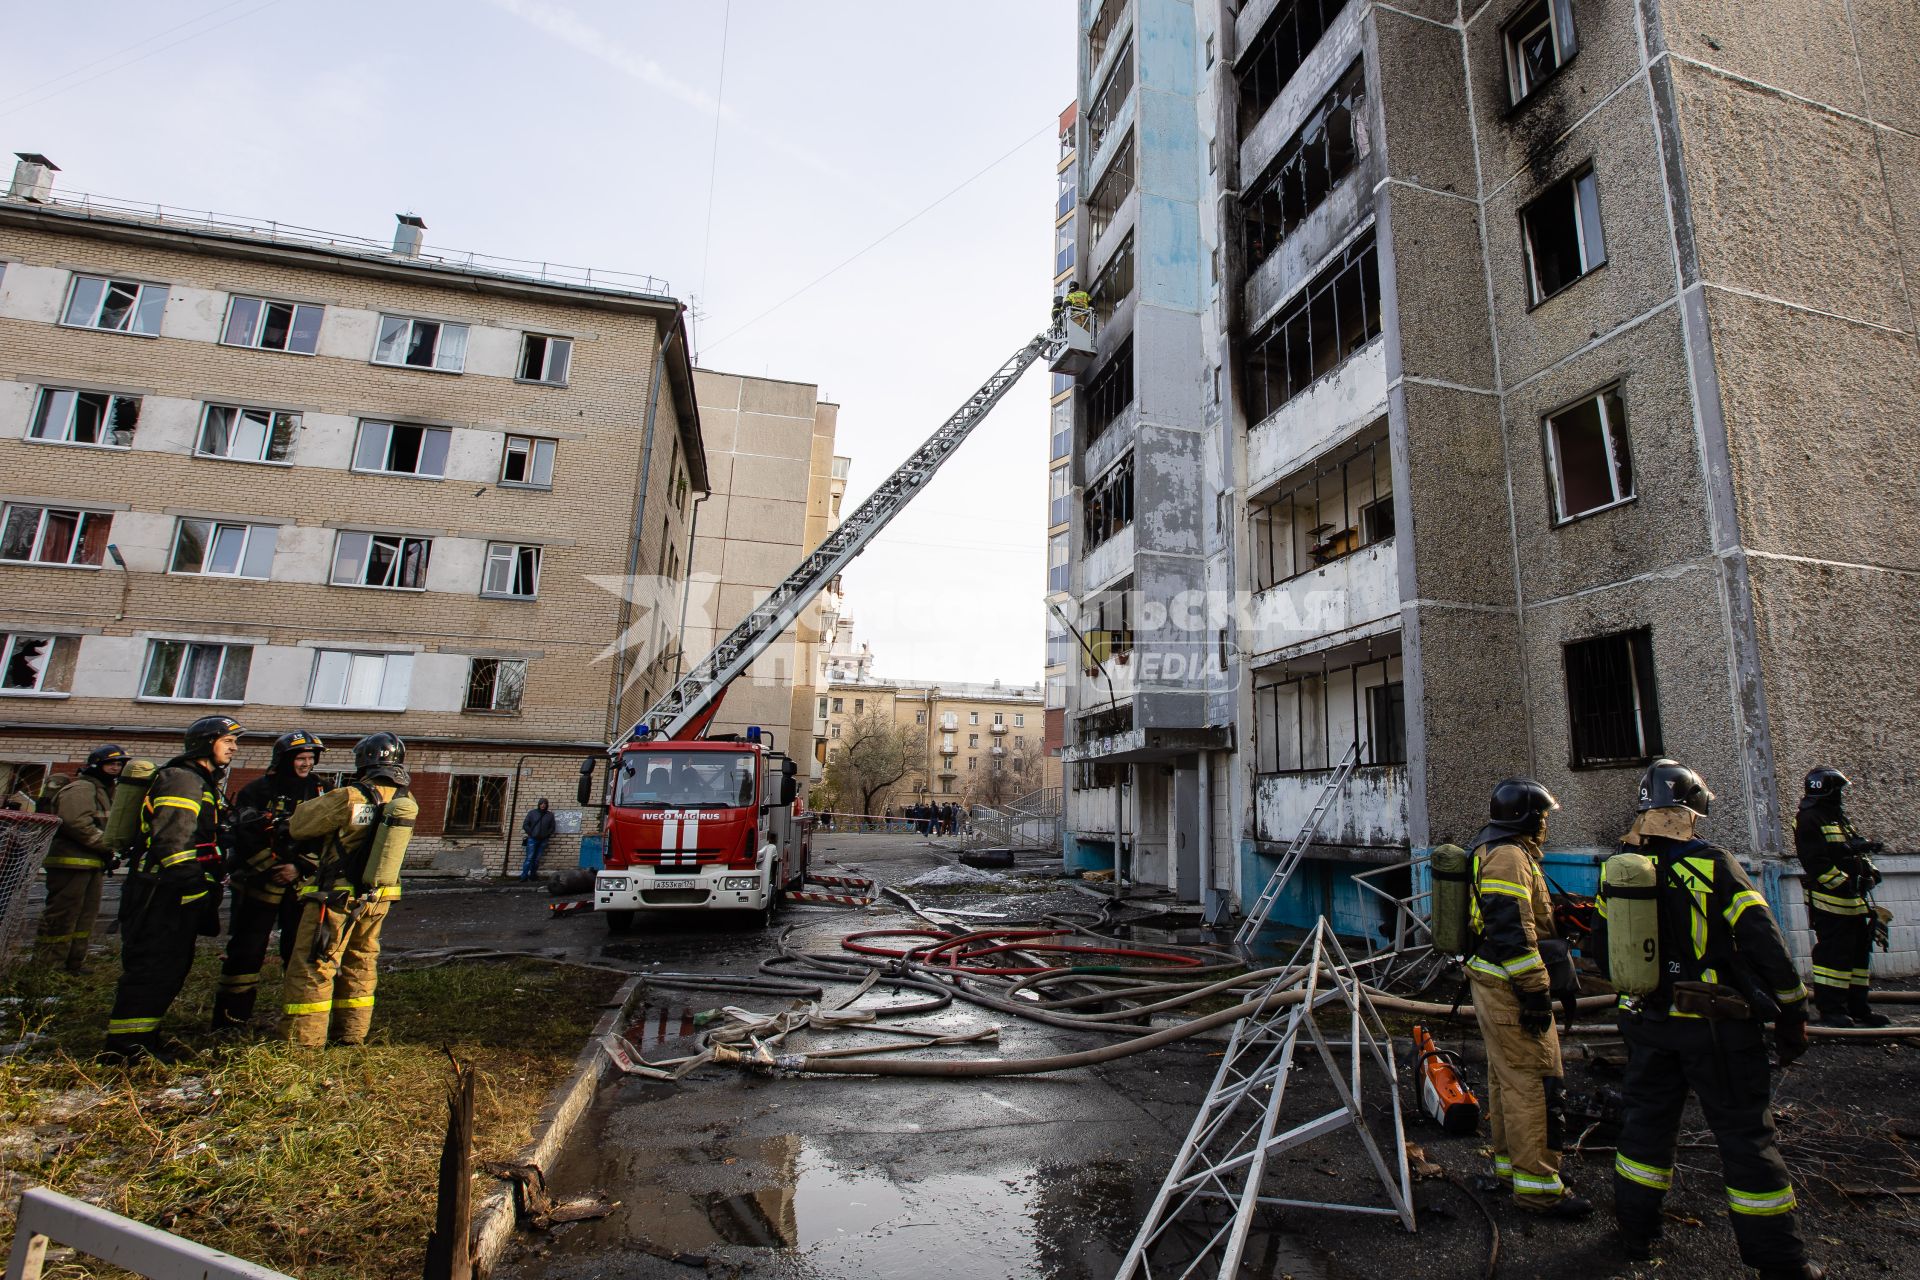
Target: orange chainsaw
x: 1444, y: 1094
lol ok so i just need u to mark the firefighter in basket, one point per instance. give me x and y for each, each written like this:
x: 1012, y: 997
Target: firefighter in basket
x: 1701, y: 967
x: 363, y: 828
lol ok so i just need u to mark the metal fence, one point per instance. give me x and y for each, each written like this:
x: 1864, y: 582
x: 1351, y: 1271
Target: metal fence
x: 24, y: 838
x: 46, y: 1218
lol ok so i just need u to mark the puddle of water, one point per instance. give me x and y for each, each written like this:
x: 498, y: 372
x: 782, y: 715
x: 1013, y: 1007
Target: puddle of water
x: 657, y: 1025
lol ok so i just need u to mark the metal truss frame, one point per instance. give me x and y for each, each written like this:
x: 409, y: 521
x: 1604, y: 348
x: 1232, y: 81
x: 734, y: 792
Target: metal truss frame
x: 1238, y: 1130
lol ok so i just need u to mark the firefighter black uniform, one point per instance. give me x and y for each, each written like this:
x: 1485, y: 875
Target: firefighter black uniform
x: 1839, y: 877
x: 330, y: 982
x: 172, y: 894
x: 76, y: 865
x: 1714, y: 929
x: 263, y: 899
x: 1510, y: 915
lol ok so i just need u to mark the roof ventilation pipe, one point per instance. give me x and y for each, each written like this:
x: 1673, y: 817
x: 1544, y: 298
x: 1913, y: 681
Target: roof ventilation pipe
x: 409, y: 235
x: 32, y: 178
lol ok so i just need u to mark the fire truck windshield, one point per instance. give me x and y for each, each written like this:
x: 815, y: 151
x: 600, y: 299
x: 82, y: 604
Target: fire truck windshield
x: 684, y: 779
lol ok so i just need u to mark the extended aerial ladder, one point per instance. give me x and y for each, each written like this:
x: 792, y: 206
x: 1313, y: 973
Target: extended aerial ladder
x: 686, y: 708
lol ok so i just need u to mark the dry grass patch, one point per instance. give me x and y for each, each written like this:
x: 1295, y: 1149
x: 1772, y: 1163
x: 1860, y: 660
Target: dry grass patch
x: 320, y: 1163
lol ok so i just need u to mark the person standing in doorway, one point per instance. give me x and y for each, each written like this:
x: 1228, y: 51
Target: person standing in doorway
x: 537, y: 827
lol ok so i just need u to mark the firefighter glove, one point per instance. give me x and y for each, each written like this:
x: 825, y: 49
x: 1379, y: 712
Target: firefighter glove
x: 1790, y: 1038
x: 1536, y: 1012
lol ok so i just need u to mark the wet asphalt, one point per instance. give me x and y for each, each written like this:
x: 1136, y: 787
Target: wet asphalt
x: 728, y: 1173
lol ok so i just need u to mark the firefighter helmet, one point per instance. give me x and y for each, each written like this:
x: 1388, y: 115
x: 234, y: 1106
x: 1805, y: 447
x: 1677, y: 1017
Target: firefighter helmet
x: 106, y: 754
x: 1668, y: 784
x: 378, y: 749
x: 207, y: 730
x: 1517, y: 799
x: 289, y: 745
x: 1826, y: 782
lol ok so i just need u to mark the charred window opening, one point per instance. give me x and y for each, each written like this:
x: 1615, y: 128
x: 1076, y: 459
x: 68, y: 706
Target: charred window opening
x: 1304, y: 173
x: 1307, y: 721
x: 1329, y: 320
x: 1112, y: 97
x: 1612, y: 707
x: 1344, y: 506
x: 1110, y: 392
x: 1106, y: 621
x: 1103, y: 28
x: 1114, y: 285
x: 1562, y: 235
x: 1540, y: 41
x: 1108, y: 506
x: 1588, y: 461
x: 1115, y: 185
x: 1277, y: 52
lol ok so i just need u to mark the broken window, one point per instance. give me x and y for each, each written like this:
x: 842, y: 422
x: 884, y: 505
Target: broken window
x: 273, y: 326
x: 1307, y: 169
x: 1539, y: 42
x: 1333, y: 317
x: 1344, y: 505
x: 544, y: 359
x: 1306, y: 718
x: 37, y: 664
x: 1107, y: 507
x: 1277, y: 52
x: 494, y: 684
x: 184, y: 671
x: 1587, y: 456
x: 222, y: 549
x: 392, y: 561
x: 512, y: 571
x: 1113, y: 96
x: 361, y: 681
x: 1114, y: 285
x: 1115, y: 185
x: 1106, y: 622
x: 1562, y: 234
x: 1612, y: 709
x: 1102, y: 28
x: 1110, y: 392
x: 97, y: 418
x: 421, y: 344
x: 399, y: 449
x: 123, y: 306
x: 528, y: 461
x: 50, y: 535
x: 247, y: 435
x: 476, y: 804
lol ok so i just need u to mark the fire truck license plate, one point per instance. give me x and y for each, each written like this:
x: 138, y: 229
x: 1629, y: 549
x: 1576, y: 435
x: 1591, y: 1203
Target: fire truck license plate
x: 674, y: 884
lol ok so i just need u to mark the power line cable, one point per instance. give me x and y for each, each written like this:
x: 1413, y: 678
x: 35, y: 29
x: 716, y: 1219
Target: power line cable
x: 713, y: 160
x: 1025, y: 142
x: 94, y: 70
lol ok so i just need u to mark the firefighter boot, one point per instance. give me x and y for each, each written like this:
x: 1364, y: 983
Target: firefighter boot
x: 1862, y: 1012
x: 1831, y: 1004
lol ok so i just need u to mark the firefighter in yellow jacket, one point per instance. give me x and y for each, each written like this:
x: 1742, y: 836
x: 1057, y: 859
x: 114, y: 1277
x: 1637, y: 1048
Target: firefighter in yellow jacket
x: 364, y: 827
x: 77, y: 863
x: 1511, y: 917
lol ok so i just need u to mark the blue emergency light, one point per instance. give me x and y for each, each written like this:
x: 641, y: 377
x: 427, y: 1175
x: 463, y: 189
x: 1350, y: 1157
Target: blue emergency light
x: 640, y: 729
x: 753, y: 733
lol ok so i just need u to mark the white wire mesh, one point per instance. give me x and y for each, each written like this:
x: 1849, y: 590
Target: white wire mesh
x: 24, y: 838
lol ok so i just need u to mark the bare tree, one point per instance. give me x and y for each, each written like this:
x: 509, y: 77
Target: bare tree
x: 875, y: 753
x: 1009, y: 777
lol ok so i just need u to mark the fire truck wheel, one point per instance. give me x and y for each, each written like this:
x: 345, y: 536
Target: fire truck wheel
x: 619, y: 921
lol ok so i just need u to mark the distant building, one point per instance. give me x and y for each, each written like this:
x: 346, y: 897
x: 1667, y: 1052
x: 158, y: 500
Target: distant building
x: 971, y: 743
x: 313, y: 481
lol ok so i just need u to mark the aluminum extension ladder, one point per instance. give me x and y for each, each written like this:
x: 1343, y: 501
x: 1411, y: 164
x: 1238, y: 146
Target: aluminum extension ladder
x: 708, y: 679
x: 1296, y: 852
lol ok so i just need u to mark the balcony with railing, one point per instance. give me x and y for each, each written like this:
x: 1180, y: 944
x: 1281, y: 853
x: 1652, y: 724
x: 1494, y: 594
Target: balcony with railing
x: 997, y: 727
x: 1112, y: 110
x: 1307, y: 716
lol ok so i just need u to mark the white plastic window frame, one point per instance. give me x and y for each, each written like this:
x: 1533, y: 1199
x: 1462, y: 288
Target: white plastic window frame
x: 66, y: 426
x: 509, y: 556
x: 81, y: 516
x: 402, y: 342
x: 149, y: 305
x: 364, y: 559
x: 1614, y: 435
x: 557, y: 350
x: 1582, y: 190
x: 258, y: 329
x: 537, y: 450
x: 271, y: 419
x: 227, y: 652
x: 1521, y: 85
x: 9, y: 647
x: 386, y: 683
x: 257, y: 541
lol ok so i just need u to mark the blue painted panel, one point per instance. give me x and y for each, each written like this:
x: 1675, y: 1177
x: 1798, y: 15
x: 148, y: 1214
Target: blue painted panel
x: 1163, y: 35
x: 1089, y: 855
x: 1320, y: 887
x: 593, y: 852
x: 1168, y: 150
x: 1167, y: 253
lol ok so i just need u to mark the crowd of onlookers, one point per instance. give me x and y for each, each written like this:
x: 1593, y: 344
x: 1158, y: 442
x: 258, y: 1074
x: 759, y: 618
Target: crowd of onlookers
x: 924, y: 819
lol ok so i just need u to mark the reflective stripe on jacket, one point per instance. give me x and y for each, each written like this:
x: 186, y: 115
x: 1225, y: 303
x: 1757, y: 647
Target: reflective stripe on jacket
x: 1509, y: 912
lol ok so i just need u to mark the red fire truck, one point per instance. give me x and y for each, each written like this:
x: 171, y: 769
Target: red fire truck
x: 706, y: 824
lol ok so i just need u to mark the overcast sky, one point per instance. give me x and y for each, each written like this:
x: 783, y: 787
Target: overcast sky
x: 583, y: 132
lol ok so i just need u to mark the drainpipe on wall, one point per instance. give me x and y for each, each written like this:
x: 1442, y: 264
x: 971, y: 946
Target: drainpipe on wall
x: 633, y: 546
x: 1210, y: 892
x: 513, y: 811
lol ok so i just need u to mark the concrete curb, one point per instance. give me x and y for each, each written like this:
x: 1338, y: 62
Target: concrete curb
x: 493, y: 1220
